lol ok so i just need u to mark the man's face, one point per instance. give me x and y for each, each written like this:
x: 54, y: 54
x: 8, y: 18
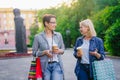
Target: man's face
x: 52, y: 24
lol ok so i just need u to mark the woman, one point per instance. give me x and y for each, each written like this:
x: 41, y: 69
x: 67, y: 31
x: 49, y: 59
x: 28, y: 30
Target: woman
x: 87, y: 49
x: 43, y: 44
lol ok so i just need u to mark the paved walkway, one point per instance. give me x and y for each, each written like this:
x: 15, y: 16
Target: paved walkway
x: 18, y: 68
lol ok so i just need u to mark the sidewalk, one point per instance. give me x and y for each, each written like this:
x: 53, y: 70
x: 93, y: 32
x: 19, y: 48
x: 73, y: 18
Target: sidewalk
x: 18, y: 68
x: 115, y: 57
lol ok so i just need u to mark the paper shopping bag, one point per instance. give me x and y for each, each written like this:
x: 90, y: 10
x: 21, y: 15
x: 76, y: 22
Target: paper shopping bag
x: 35, y: 72
x: 38, y: 68
x: 103, y: 70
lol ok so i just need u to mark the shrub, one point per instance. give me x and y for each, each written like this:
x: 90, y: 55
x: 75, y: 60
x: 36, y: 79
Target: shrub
x: 33, y: 30
x: 105, y: 18
x: 112, y: 39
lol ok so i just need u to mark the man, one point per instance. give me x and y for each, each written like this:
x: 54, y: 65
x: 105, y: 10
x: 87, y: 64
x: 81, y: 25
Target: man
x: 43, y: 45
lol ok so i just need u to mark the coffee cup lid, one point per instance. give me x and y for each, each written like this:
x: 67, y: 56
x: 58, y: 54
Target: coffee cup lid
x: 54, y: 44
x: 79, y: 47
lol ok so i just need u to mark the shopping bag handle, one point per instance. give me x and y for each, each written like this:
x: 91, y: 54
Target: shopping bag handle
x: 34, y: 57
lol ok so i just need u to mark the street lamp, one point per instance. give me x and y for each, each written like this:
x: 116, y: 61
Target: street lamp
x: 68, y: 38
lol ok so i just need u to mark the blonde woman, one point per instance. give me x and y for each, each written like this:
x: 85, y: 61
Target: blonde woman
x: 87, y: 49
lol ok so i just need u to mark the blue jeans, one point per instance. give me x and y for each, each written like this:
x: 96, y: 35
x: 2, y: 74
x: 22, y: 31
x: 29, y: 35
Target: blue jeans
x: 53, y: 72
x: 84, y: 73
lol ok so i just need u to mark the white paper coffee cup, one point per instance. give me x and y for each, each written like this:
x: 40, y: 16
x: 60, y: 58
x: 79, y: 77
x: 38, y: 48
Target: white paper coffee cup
x: 79, y: 50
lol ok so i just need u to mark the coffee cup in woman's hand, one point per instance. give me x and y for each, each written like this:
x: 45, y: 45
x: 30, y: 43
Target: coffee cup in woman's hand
x: 55, y: 49
x: 79, y: 52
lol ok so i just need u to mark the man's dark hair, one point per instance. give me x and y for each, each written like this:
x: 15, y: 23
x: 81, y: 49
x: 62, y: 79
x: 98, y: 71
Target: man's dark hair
x: 47, y: 17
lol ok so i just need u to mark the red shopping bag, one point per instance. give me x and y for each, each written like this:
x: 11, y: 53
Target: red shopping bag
x: 38, y: 68
x: 35, y: 70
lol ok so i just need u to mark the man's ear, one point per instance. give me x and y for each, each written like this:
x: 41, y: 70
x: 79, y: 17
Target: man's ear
x: 46, y: 23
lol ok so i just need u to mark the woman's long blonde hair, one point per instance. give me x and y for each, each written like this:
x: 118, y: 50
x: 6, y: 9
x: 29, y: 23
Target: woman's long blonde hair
x: 88, y: 23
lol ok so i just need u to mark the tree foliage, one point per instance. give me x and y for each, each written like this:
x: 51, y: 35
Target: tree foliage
x: 101, y: 4
x: 112, y: 38
x: 33, y: 31
x: 104, y: 14
x: 69, y: 17
x: 105, y: 18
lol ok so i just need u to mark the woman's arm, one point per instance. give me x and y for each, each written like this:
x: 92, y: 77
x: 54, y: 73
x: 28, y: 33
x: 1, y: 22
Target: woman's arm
x: 35, y: 48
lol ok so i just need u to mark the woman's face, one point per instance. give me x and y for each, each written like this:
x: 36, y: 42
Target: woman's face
x: 52, y: 24
x: 84, y: 30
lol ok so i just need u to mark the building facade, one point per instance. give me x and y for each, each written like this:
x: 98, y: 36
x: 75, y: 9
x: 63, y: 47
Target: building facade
x: 7, y: 26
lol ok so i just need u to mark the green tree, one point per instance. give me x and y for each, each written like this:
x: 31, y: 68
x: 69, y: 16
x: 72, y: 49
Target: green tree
x: 112, y: 39
x: 33, y: 30
x: 105, y: 18
x: 69, y: 17
x: 107, y: 25
x: 101, y: 4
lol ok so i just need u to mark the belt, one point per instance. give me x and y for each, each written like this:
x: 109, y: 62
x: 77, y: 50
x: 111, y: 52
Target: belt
x: 84, y: 64
x: 52, y: 62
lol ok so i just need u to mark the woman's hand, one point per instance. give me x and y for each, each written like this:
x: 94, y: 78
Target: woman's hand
x: 96, y: 54
x: 79, y: 54
x: 48, y: 53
